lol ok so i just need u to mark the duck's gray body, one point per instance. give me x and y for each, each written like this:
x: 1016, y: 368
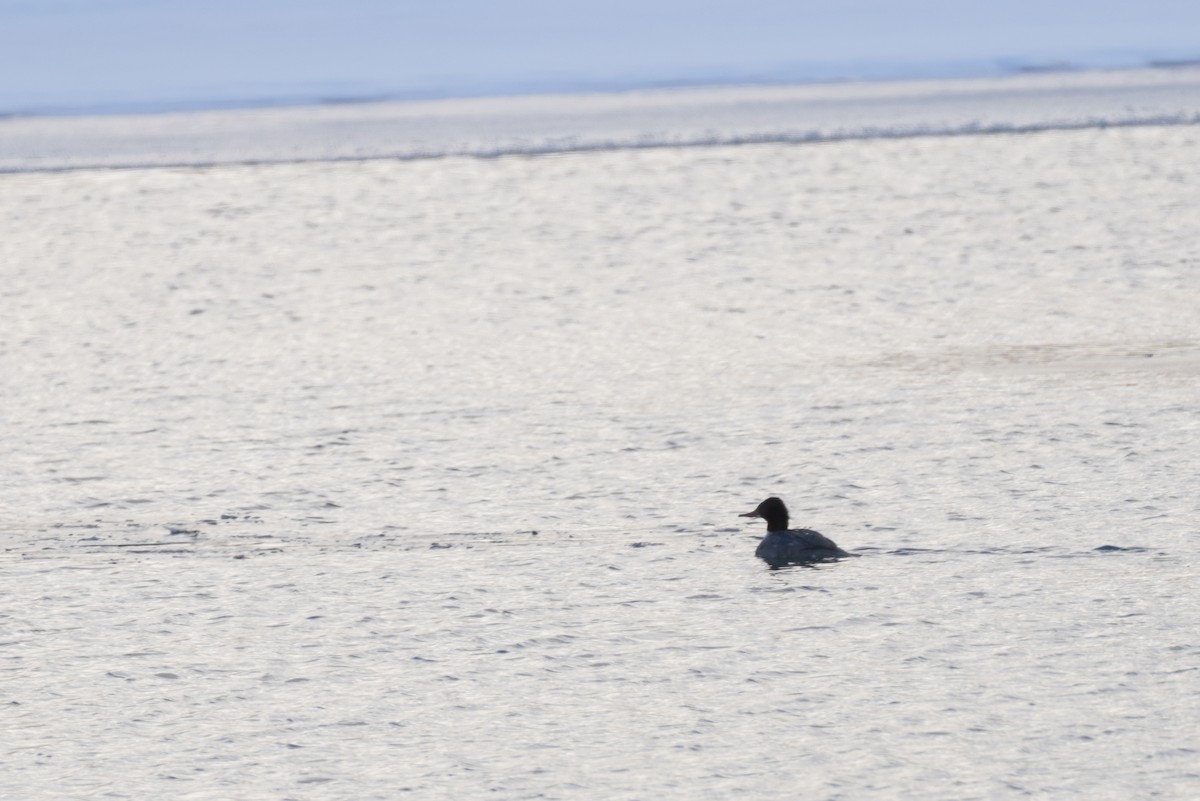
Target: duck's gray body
x: 797, y: 546
x: 784, y: 546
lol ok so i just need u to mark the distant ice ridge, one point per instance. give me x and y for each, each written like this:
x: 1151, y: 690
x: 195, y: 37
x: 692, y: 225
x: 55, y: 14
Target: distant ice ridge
x: 543, y: 124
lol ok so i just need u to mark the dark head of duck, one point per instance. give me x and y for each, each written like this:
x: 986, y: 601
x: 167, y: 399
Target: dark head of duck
x: 774, y: 512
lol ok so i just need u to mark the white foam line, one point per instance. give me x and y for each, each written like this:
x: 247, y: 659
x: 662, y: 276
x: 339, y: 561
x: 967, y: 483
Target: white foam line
x: 644, y: 143
x: 548, y: 125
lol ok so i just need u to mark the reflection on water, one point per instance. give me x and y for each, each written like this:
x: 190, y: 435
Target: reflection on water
x: 350, y: 480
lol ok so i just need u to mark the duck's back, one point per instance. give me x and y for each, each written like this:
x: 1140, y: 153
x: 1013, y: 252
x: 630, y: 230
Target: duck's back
x: 797, y: 546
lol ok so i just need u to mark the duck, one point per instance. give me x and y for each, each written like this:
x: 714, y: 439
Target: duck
x: 783, y: 546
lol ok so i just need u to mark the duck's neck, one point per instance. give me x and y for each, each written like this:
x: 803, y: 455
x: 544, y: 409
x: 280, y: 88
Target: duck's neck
x: 777, y: 523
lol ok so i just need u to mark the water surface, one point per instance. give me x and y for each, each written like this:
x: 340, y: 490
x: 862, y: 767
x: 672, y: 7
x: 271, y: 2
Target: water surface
x: 333, y: 480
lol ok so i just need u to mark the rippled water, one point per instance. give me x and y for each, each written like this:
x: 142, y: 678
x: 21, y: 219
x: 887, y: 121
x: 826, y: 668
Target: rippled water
x: 387, y: 479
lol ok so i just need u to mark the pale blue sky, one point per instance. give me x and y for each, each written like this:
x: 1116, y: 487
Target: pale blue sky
x: 125, y: 54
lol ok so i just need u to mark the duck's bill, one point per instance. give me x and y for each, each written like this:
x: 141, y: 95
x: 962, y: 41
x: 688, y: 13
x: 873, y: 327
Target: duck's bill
x: 749, y: 514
